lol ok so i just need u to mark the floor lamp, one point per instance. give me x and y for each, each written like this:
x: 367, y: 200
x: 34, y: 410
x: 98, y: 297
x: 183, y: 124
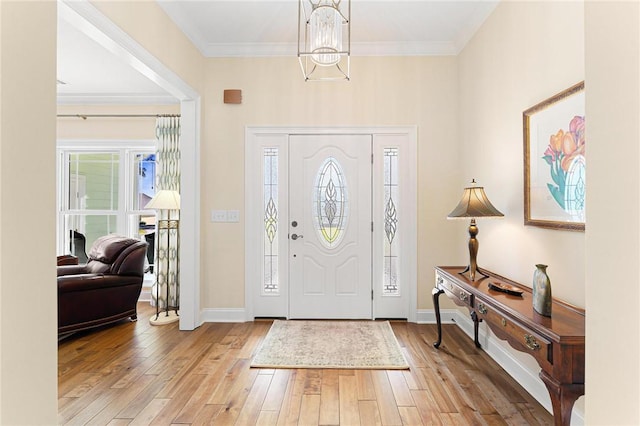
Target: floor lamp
x: 166, y: 200
x: 474, y: 203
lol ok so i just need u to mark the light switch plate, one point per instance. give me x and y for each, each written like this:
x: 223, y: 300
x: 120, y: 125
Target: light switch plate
x: 219, y: 216
x: 233, y: 215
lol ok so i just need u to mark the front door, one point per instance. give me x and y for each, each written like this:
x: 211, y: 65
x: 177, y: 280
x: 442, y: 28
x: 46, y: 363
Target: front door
x: 330, y: 233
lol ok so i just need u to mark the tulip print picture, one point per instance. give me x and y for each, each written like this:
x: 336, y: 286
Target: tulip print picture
x: 565, y: 157
x: 555, y: 161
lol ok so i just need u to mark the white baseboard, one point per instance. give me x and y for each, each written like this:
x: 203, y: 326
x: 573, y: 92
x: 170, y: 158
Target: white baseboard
x: 428, y: 316
x: 145, y: 295
x: 147, y: 284
x: 498, y: 350
x: 222, y: 315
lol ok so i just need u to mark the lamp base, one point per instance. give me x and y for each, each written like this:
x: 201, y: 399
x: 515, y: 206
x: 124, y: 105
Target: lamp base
x: 474, y: 276
x: 164, y: 318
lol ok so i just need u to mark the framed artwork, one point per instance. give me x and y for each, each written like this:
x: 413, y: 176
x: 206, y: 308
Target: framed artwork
x: 555, y: 161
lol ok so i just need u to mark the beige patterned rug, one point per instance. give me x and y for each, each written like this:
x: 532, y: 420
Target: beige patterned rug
x: 330, y: 344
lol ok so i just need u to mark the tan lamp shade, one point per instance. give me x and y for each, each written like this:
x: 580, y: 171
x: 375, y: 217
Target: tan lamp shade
x: 474, y: 203
x: 164, y: 200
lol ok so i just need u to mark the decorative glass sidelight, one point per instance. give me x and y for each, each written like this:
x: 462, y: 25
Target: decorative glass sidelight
x: 390, y: 281
x: 270, y: 206
x: 330, y: 203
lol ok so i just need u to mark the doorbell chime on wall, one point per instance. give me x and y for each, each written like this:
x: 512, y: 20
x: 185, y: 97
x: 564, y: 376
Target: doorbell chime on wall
x: 233, y: 96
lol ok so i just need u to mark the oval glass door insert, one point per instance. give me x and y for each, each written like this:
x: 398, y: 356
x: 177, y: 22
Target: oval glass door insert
x: 330, y: 203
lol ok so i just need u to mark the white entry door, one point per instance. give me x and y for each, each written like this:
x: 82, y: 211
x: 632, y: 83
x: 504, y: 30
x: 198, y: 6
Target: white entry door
x: 330, y: 233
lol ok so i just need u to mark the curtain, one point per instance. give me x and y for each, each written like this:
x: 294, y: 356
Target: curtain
x: 167, y: 262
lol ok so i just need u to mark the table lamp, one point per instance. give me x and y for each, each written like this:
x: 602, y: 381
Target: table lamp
x: 474, y: 204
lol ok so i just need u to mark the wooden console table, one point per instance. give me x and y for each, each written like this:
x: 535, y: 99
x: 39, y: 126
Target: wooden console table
x: 557, y: 343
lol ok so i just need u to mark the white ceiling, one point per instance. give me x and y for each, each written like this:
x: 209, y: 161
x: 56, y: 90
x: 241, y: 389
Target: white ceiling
x: 92, y: 74
x: 263, y: 28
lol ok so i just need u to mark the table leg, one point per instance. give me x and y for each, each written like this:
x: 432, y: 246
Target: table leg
x: 436, y: 292
x: 563, y: 397
x: 476, y: 323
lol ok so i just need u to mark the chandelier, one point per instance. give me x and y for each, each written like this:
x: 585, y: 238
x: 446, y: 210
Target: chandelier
x: 324, y: 39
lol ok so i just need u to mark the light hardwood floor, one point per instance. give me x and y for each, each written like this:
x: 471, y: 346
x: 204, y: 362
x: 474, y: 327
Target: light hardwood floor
x: 136, y: 374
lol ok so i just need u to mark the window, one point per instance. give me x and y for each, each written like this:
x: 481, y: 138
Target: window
x: 103, y: 190
x: 93, y: 194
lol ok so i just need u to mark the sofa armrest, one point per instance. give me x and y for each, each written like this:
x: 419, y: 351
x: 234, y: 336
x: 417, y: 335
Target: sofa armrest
x: 72, y: 270
x: 87, y: 282
x: 67, y: 259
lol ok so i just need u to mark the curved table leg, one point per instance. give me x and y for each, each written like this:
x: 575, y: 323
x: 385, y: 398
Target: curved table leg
x: 562, y: 398
x: 436, y: 292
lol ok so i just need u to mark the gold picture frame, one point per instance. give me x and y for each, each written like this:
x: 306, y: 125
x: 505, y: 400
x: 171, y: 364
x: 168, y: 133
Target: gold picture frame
x: 555, y: 161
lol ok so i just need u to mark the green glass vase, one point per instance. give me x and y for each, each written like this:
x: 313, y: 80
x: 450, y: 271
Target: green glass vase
x: 541, y: 291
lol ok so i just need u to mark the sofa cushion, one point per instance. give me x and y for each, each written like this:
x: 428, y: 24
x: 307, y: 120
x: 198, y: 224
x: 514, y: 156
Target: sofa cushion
x: 96, y: 267
x: 106, y: 249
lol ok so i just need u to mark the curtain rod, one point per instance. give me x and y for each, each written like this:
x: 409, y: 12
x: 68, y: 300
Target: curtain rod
x: 85, y: 116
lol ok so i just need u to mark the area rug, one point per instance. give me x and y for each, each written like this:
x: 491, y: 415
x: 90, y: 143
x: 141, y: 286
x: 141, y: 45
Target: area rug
x: 330, y: 344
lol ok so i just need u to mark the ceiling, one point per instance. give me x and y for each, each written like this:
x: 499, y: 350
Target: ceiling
x: 92, y: 74
x: 262, y: 28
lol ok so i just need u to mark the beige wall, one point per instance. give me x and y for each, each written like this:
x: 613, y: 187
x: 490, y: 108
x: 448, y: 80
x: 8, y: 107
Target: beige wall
x: 28, y: 346
x: 520, y: 56
x: 613, y: 244
x: 384, y: 91
x: 525, y: 52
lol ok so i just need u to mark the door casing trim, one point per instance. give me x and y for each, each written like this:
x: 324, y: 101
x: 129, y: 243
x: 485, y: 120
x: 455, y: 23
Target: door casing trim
x: 253, y: 134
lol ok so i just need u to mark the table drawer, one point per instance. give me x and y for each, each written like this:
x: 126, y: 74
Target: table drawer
x: 454, y: 291
x: 519, y: 337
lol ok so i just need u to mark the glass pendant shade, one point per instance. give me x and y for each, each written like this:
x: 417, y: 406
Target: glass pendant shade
x: 324, y: 39
x: 325, y: 35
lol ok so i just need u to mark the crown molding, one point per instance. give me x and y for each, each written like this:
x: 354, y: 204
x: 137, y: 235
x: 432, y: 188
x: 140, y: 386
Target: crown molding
x: 409, y: 48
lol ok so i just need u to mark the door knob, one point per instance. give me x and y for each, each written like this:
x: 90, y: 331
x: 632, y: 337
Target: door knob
x: 295, y: 236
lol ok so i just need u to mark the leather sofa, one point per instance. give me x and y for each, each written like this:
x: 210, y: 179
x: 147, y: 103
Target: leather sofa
x: 105, y: 289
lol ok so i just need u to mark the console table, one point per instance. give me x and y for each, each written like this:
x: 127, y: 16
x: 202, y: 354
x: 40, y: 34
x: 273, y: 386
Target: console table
x: 556, y: 342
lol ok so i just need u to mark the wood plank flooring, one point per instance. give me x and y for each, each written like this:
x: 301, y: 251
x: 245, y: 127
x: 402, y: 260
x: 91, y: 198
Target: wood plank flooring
x: 132, y: 373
